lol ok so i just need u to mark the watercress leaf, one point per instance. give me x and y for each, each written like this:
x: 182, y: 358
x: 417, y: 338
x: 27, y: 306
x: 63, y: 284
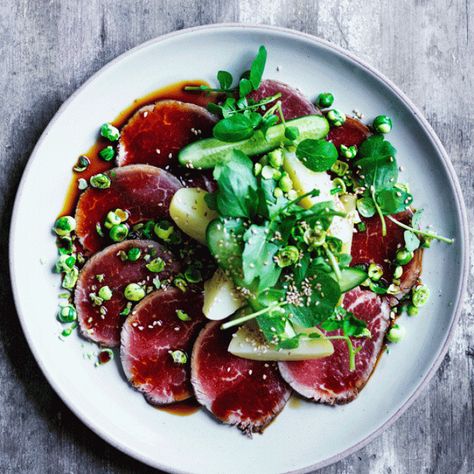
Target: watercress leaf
x: 319, y: 294
x: 258, y: 257
x: 225, y: 241
x: 230, y: 102
x: 344, y: 259
x: 321, y: 214
x: 269, y: 205
x: 317, y: 155
x: 268, y: 297
x: 412, y: 242
x: 281, y: 228
x: 301, y: 316
x: 245, y: 75
x: 366, y: 206
x: 302, y: 268
x: 214, y: 108
x: 331, y: 325
x: 273, y: 326
x: 289, y: 343
x: 257, y: 68
x: 376, y: 146
x: 377, y: 165
x: 393, y: 200
x: 319, y: 264
x: 268, y: 122
x: 242, y: 103
x: 211, y: 201
x: 352, y: 326
x: 254, y: 117
x: 245, y: 87
x: 225, y: 79
x: 234, y: 128
x: 237, y: 187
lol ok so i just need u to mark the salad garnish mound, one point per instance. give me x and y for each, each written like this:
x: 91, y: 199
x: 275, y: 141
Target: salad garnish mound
x: 281, y: 220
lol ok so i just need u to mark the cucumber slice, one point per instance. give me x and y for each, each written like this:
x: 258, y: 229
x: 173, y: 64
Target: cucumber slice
x: 206, y: 153
x: 351, y: 277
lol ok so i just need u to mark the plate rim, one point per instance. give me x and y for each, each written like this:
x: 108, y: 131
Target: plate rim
x: 417, y: 115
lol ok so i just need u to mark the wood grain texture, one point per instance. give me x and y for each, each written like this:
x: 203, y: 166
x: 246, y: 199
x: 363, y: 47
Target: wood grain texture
x: 49, y: 48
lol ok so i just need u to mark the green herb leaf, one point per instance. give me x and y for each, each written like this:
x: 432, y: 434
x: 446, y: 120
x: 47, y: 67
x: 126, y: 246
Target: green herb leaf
x: 320, y: 214
x: 269, y: 205
x: 377, y: 165
x: 225, y: 79
x: 225, y: 241
x: 302, y: 268
x: 353, y: 326
x: 347, y: 322
x: 237, y: 193
x: 235, y: 128
x: 245, y: 87
x: 393, y: 200
x: 317, y: 155
x: 214, y: 108
x: 268, y: 122
x: 312, y: 309
x: 254, y: 117
x: 257, y: 68
x: 273, y: 326
x: 412, y: 242
x: 211, y: 201
x: 258, y: 258
x: 290, y: 343
x: 366, y: 207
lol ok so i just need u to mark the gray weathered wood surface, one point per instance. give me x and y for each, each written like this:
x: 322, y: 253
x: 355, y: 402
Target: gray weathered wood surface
x: 49, y: 48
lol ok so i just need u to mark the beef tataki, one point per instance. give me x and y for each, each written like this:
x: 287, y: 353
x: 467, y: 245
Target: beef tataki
x: 293, y: 103
x: 143, y: 191
x: 161, y: 326
x: 329, y: 380
x: 241, y: 392
x: 351, y: 132
x: 100, y: 319
x: 369, y: 246
x: 156, y: 133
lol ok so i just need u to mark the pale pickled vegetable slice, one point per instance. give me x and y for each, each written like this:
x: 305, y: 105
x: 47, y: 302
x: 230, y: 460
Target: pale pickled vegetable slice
x: 248, y: 344
x: 221, y: 299
x: 304, y: 181
x: 343, y: 227
x: 190, y: 212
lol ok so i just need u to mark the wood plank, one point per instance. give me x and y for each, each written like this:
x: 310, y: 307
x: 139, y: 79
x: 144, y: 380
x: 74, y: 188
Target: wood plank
x: 48, y: 49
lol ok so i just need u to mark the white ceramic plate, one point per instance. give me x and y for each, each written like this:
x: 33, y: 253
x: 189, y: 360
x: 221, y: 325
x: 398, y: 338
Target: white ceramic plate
x: 302, y: 438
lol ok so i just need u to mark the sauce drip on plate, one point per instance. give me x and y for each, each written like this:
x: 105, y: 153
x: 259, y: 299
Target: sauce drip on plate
x: 97, y: 165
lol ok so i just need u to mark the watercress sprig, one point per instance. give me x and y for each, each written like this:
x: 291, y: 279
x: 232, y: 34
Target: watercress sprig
x: 253, y: 226
x: 377, y: 171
